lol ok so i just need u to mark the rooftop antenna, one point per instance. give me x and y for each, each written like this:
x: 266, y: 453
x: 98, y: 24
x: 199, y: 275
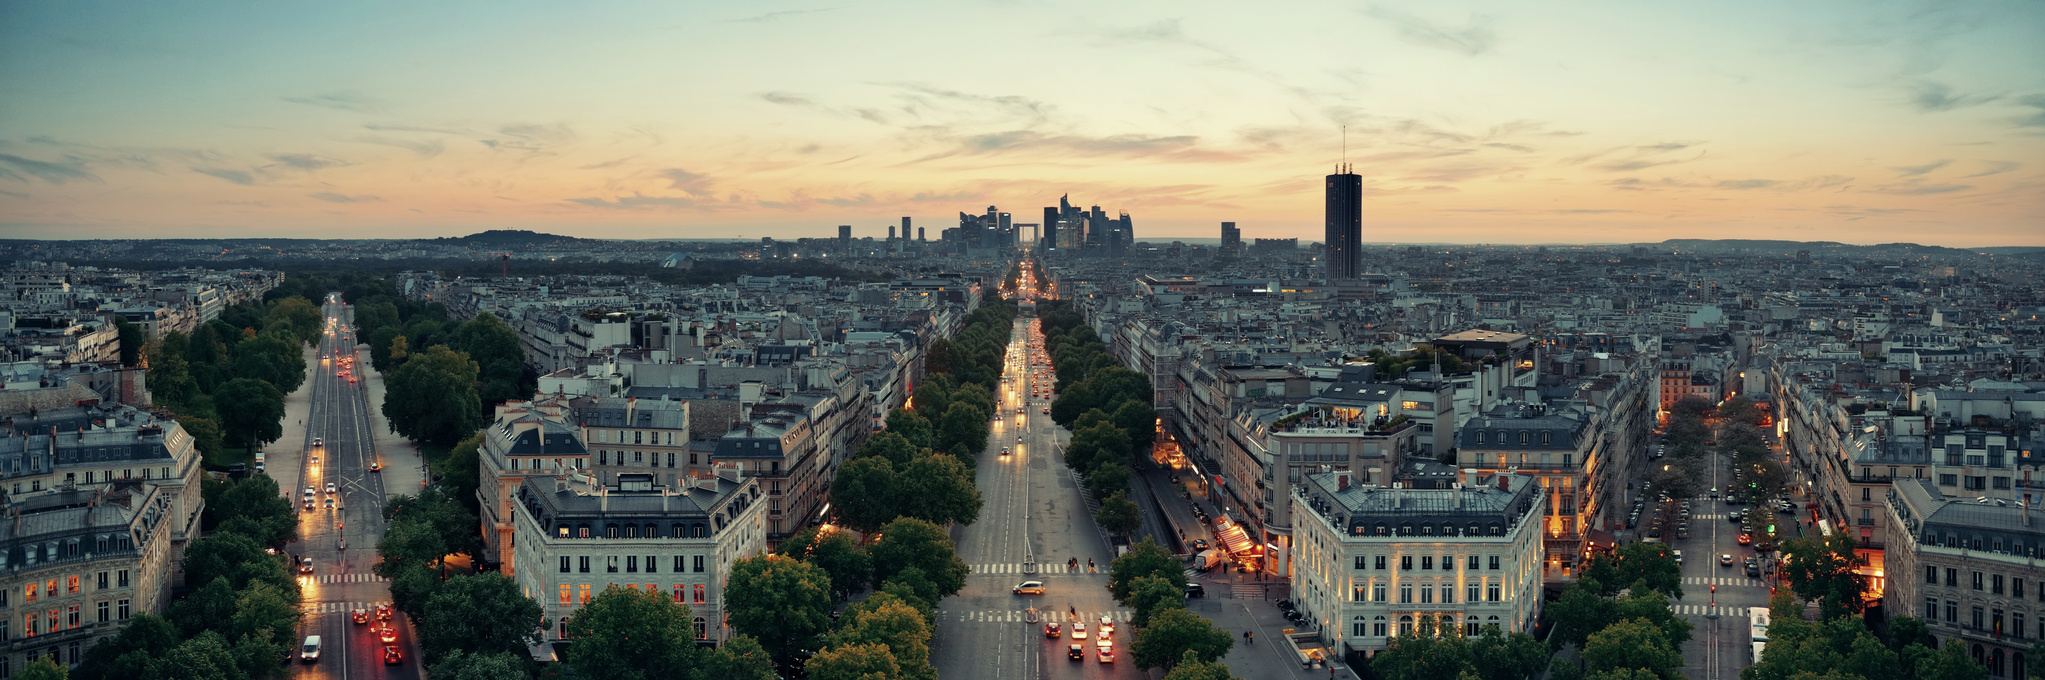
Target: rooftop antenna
x: 1345, y: 148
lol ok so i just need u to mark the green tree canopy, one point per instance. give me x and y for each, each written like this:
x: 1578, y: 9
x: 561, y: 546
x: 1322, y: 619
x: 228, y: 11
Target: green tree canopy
x: 432, y: 397
x: 1174, y: 632
x: 1192, y: 668
x: 1146, y: 558
x: 900, y: 627
x: 783, y: 602
x: 837, y: 553
x: 1822, y: 569
x: 481, y: 613
x: 499, y: 357
x: 913, y: 427
x: 251, y: 412
x: 1118, y: 515
x: 863, y: 493
x: 1149, y: 595
x: 855, y: 662
x: 462, y: 665
x: 1633, y: 643
x: 938, y: 488
x: 910, y: 542
x: 632, y: 634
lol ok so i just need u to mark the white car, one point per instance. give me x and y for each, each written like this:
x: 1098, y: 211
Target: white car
x: 330, y: 487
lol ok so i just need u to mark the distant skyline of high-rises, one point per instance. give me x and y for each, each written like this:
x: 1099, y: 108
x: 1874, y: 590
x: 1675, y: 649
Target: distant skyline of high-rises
x: 1567, y: 122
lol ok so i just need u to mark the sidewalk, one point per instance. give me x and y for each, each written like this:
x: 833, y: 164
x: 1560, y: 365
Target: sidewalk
x: 404, y: 472
x: 283, y: 458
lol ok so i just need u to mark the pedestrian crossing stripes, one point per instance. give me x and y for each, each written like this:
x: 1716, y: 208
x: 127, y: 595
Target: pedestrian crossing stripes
x: 340, y: 607
x: 1706, y: 610
x: 1707, y: 516
x: 1042, y: 569
x: 1721, y: 581
x: 364, y: 577
x: 1043, y: 616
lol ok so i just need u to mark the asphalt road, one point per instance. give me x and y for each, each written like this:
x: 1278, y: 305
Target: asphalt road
x: 1719, y: 647
x: 341, y: 540
x: 1033, y: 517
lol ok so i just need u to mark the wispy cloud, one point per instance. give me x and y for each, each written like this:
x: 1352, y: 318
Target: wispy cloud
x: 235, y: 176
x: 1915, y: 188
x: 304, y: 161
x: 1930, y: 96
x: 694, y: 184
x: 427, y: 148
x: 776, y: 16
x: 340, y: 198
x: 530, y: 138
x: 2035, y: 118
x: 640, y: 202
x: 1995, y: 168
x: 48, y: 171
x: 1915, y: 170
x: 1472, y: 39
x: 339, y: 101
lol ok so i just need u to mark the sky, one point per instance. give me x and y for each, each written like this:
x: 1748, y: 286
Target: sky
x: 1555, y: 122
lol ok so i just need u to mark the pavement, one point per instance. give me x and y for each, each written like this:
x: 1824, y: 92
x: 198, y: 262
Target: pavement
x: 341, y: 540
x: 1034, y: 519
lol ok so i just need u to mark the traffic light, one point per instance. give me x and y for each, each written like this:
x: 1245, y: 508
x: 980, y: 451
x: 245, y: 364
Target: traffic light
x: 1771, y: 528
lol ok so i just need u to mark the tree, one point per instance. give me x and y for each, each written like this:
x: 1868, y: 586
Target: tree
x: 1822, y: 569
x: 432, y: 397
x: 205, y: 432
x: 297, y: 316
x: 1149, y: 595
x: 411, y: 584
x: 1651, y: 563
x: 251, y: 412
x: 130, y: 336
x: 741, y: 658
x: 453, y: 521
x: 272, y: 358
x: 1429, y: 650
x: 1579, y: 613
x: 898, y: 626
x: 269, y: 518
x: 462, y: 665
x: 1118, y: 515
x: 913, y: 427
x: 1497, y: 656
x: 481, y: 613
x: 386, y: 347
x: 782, y: 602
x: 1634, y: 643
x: 460, y: 474
x: 169, y: 378
x: 1144, y: 559
x: 265, y: 613
x: 632, y: 634
x: 1952, y: 663
x: 963, y: 430
x: 913, y: 587
x: 864, y: 493
x: 1192, y: 668
x: 205, y: 657
x: 1653, y: 606
x: 1136, y: 418
x: 939, y: 489
x: 1174, y: 632
x: 499, y: 357
x: 43, y: 668
x: 837, y: 553
x: 127, y: 654
x: 856, y: 662
x: 409, y: 541
x: 234, y: 557
x: 910, y: 542
x: 897, y: 449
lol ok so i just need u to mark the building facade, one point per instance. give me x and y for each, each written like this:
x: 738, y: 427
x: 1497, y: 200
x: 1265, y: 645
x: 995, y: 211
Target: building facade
x: 1969, y: 567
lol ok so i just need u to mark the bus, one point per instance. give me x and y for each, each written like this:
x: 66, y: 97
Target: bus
x: 1757, y: 628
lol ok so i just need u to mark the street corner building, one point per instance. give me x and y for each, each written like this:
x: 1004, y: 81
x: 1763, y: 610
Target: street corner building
x: 576, y: 536
x: 1374, y: 561
x: 101, y: 501
x: 1969, y: 566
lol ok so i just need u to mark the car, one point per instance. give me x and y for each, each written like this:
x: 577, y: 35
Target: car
x: 1678, y: 554
x: 1051, y: 630
x: 330, y: 487
x: 383, y: 612
x: 1725, y: 560
x: 310, y: 505
x: 1107, y: 654
x: 391, y: 655
x: 1047, y: 410
x: 305, y: 567
x: 330, y: 501
x: 1195, y: 590
x: 376, y: 466
x: 310, y: 651
x: 1004, y: 450
x: 316, y: 442
x: 1079, y: 631
x: 1030, y: 588
x: 310, y: 492
x: 1077, y: 652
x: 315, y: 460
x: 1745, y: 538
x: 1753, y: 568
x: 360, y: 615
x: 1199, y: 544
x: 388, y: 633
x: 1107, y: 626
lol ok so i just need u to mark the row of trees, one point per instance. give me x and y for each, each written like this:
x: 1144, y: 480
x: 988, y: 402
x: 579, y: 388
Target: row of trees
x: 1107, y: 407
x: 1618, y: 615
x: 226, y: 381
x: 1152, y: 583
x: 1842, y: 648
x: 784, y: 600
x: 242, y: 621
x: 900, y: 473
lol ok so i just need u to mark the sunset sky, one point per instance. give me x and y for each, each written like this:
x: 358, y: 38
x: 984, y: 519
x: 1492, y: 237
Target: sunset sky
x: 1470, y: 123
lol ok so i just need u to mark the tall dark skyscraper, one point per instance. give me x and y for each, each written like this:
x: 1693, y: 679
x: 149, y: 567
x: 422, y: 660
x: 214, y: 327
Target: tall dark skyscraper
x: 1050, y: 228
x: 844, y: 235
x: 1344, y: 237
x: 919, y: 231
x: 1231, y: 238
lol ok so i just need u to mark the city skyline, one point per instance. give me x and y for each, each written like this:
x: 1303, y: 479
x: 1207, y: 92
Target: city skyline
x: 1574, y: 123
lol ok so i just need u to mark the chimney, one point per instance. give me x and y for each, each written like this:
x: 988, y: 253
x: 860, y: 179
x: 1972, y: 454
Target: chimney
x: 1342, y: 481
x: 728, y: 471
x: 1458, y: 486
x: 560, y: 483
x: 1503, y: 485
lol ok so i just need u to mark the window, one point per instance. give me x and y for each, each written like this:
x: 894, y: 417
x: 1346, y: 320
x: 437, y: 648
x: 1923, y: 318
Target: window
x: 1448, y: 594
x: 1473, y: 563
x: 582, y: 594
x: 680, y: 564
x: 567, y: 595
x: 1427, y: 562
x: 1360, y: 561
x: 1491, y: 593
x: 2016, y: 587
x: 1377, y: 626
x: 1380, y: 562
x: 1426, y: 595
x: 102, y: 580
x: 1405, y: 562
x: 679, y: 593
x: 611, y: 562
x: 1359, y: 627
x: 700, y: 593
x: 1480, y: 437
x: 1494, y: 563
x: 103, y: 609
x: 582, y: 564
x: 1377, y: 592
x: 1470, y: 626
x: 121, y: 609
x: 1979, y: 618
x: 1473, y: 594
x: 1977, y: 580
x: 564, y: 564
x: 1405, y: 594
x: 652, y: 565
x: 702, y: 629
x: 71, y: 616
x: 631, y: 564
x: 1948, y: 480
x: 1931, y: 609
x: 1995, y: 585
x: 1952, y: 577
x: 1931, y: 574
x: 1952, y: 612
x: 699, y: 564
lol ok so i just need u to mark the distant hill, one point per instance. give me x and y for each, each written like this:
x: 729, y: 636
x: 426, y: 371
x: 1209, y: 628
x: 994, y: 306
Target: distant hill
x: 498, y: 238
x: 1751, y: 246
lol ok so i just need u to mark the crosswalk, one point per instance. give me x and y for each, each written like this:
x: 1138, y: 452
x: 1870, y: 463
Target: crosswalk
x: 364, y: 577
x: 1022, y: 616
x: 1707, y: 517
x: 1706, y: 610
x: 340, y: 607
x: 1057, y: 569
x: 1721, y: 581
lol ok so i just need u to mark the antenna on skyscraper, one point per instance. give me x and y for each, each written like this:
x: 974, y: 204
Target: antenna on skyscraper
x: 1345, y: 148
